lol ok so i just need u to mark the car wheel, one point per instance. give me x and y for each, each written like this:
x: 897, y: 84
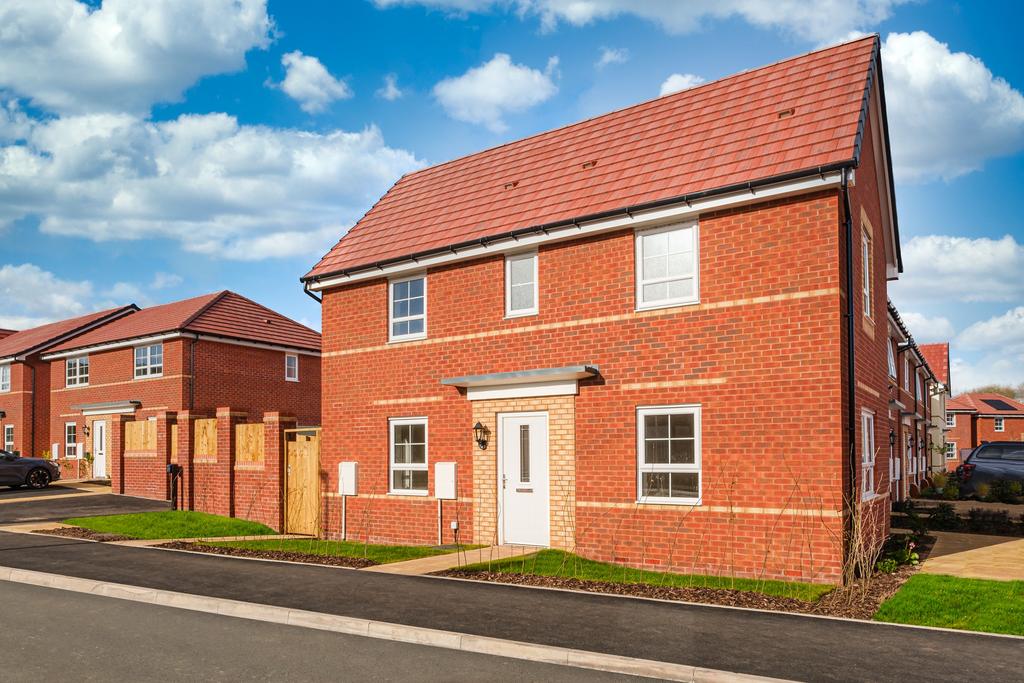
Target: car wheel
x: 38, y: 479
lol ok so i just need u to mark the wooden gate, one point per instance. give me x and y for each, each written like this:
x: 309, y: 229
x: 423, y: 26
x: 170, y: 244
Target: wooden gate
x: 302, y: 481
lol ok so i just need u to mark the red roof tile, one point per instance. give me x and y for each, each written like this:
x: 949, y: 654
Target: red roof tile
x: 222, y: 314
x: 39, y: 338
x: 977, y: 402
x: 709, y: 137
x: 937, y: 357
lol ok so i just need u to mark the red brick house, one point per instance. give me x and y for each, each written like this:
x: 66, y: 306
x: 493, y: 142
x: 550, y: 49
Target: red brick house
x: 25, y: 378
x: 910, y: 440
x: 217, y: 350
x: 655, y: 337
x: 974, y: 418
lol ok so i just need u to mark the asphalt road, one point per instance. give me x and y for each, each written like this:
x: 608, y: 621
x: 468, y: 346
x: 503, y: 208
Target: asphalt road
x: 41, y: 506
x: 57, y: 635
x: 769, y: 644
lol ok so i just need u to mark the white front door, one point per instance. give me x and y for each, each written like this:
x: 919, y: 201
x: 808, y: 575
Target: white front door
x: 523, y: 489
x: 99, y: 449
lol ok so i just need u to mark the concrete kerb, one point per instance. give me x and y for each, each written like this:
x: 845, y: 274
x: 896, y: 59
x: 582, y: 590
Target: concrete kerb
x: 381, y: 630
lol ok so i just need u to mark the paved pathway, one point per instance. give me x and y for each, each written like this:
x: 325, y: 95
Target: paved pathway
x: 1002, y: 560
x: 761, y: 643
x: 437, y: 563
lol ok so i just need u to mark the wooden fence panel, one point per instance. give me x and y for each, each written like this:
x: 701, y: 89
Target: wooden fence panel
x: 249, y: 444
x: 206, y: 438
x: 140, y: 436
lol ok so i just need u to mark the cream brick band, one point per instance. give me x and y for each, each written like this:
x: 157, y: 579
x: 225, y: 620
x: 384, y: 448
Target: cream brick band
x: 775, y: 512
x: 633, y: 315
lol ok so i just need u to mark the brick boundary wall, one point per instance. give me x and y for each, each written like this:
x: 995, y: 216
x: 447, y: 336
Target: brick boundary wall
x: 213, y: 484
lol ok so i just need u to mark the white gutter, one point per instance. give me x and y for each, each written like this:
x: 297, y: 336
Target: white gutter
x: 638, y: 219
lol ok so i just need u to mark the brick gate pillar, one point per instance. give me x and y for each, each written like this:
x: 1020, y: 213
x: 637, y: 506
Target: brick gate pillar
x: 117, y: 423
x: 226, y: 421
x: 164, y: 421
x: 186, y: 456
x: 274, y: 424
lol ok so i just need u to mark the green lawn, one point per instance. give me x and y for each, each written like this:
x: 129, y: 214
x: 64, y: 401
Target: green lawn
x: 969, y: 604
x: 381, y: 554
x: 563, y: 564
x: 170, y: 524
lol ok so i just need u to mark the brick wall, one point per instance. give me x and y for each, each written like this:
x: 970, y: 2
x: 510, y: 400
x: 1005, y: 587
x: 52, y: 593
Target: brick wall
x: 30, y: 438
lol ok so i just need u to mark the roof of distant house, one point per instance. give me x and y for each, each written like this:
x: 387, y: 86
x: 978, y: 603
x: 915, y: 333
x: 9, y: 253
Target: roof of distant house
x: 986, y: 404
x: 40, y: 338
x: 223, y: 314
x: 799, y: 116
x: 937, y: 357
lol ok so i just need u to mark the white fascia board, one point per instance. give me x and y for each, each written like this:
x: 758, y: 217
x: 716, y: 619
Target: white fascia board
x: 639, y: 219
x: 140, y: 341
x: 255, y: 345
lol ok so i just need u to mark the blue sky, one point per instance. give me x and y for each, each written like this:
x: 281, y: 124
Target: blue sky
x: 153, y: 151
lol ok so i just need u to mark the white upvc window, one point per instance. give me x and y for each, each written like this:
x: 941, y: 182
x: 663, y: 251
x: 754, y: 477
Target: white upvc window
x: 521, y: 284
x: 70, y: 439
x: 149, y: 361
x: 906, y: 372
x: 407, y: 308
x: 667, y: 266
x: 76, y: 371
x: 865, y: 254
x: 8, y: 437
x: 950, y: 450
x: 918, y: 393
x: 951, y: 419
x: 1000, y: 425
x: 867, y: 445
x: 5, y: 377
x: 291, y: 367
x: 407, y: 459
x: 668, y: 454
x: 892, y: 359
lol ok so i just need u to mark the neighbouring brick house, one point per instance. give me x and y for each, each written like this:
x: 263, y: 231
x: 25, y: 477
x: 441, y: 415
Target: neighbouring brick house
x: 630, y: 335
x: 25, y: 379
x: 975, y: 418
x: 909, y: 440
x: 942, y: 456
x: 197, y: 355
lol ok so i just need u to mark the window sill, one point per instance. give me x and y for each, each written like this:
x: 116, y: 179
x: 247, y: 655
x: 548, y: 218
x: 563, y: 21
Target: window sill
x: 145, y: 377
x: 666, y: 304
x: 76, y: 386
x: 288, y: 379
x: 688, y: 502
x: 872, y: 498
x: 415, y: 494
x: 521, y: 314
x: 399, y: 340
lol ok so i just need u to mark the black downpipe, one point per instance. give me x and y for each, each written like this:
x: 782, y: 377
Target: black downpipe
x: 851, y: 391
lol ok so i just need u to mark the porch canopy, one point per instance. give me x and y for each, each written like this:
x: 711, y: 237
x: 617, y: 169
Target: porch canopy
x: 523, y: 383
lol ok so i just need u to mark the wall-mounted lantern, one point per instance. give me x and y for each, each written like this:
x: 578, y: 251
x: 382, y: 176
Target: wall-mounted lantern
x: 480, y: 435
x: 892, y: 438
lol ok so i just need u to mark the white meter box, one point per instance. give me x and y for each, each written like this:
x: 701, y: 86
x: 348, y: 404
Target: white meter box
x: 444, y: 480
x: 347, y: 483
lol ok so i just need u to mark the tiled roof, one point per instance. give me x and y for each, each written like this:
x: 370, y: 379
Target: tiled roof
x: 223, y: 314
x: 801, y: 114
x: 38, y: 338
x: 4, y: 333
x: 937, y: 357
x: 978, y: 402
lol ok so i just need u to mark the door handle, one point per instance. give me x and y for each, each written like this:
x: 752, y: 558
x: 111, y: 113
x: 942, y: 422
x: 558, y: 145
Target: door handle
x: 504, y: 481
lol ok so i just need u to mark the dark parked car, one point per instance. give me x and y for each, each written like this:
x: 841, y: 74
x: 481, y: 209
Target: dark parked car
x: 990, y: 461
x: 35, y: 473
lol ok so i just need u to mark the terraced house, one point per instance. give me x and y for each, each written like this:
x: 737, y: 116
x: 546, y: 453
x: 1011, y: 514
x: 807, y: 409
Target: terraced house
x: 656, y: 337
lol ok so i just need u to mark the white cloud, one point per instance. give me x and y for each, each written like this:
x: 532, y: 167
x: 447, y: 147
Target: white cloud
x: 994, y: 368
x: 125, y: 55
x: 677, y: 82
x: 308, y: 82
x: 612, y: 55
x: 950, y: 268
x: 948, y: 113
x: 33, y: 296
x: 217, y: 187
x: 166, y: 281
x: 485, y: 93
x: 927, y: 330
x: 1003, y: 332
x: 820, y: 21
x: 390, y: 90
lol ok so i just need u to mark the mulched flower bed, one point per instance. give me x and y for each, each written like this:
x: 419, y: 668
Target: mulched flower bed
x: 288, y: 556
x: 87, y: 534
x: 857, y: 603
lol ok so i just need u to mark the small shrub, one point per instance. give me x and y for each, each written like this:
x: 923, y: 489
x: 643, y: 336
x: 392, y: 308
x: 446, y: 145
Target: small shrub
x: 983, y: 491
x: 887, y: 566
x: 952, y: 490
x: 939, y: 480
x: 989, y: 521
x: 1004, y: 491
x: 944, y: 518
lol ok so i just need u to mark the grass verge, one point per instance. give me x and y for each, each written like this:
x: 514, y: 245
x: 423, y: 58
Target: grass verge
x: 170, y: 524
x: 378, y: 554
x: 951, y: 602
x: 559, y: 563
